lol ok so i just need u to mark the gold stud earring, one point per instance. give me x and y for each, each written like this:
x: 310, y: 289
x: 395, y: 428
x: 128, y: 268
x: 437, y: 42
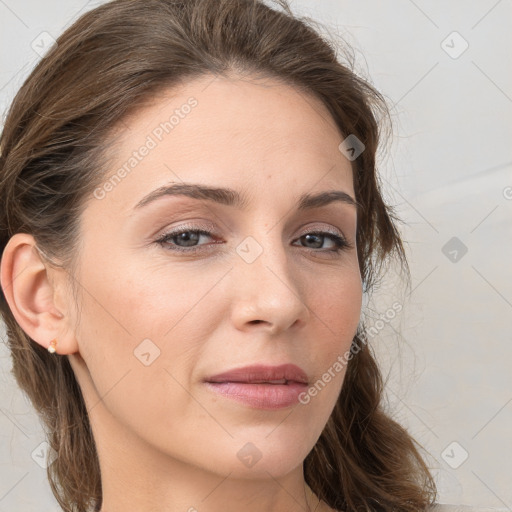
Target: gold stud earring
x: 52, y: 346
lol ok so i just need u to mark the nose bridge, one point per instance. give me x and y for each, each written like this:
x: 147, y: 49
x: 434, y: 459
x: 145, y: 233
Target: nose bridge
x: 267, y: 289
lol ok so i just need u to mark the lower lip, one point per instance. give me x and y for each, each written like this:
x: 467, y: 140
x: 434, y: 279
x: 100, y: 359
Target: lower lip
x: 260, y: 396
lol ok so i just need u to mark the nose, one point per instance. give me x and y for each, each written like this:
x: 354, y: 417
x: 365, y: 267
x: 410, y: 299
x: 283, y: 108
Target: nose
x: 268, y: 292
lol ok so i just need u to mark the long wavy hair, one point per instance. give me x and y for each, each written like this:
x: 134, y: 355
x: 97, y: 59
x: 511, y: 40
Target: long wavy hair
x: 55, y: 143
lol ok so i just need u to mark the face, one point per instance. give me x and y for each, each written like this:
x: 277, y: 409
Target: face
x: 176, y: 289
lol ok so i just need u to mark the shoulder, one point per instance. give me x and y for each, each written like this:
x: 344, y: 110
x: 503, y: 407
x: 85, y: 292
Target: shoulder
x: 438, y: 507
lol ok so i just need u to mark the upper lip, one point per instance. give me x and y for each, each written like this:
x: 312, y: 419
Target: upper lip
x: 262, y: 373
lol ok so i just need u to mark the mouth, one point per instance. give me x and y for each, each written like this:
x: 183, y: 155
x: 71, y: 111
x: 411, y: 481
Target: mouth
x: 274, y: 382
x: 282, y: 381
x: 269, y: 395
x: 262, y: 374
x: 261, y: 386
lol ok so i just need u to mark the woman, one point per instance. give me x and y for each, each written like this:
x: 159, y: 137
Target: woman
x: 191, y: 217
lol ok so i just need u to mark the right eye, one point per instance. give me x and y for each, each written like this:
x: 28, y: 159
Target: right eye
x: 188, y: 237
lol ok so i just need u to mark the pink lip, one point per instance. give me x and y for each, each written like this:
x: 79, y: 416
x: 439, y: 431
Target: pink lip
x: 258, y: 373
x: 245, y: 385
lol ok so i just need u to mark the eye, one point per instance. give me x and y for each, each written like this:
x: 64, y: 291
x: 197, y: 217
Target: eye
x: 187, y: 240
x: 317, y: 237
x: 185, y: 236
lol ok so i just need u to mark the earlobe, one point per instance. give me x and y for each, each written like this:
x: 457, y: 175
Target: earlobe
x: 30, y: 293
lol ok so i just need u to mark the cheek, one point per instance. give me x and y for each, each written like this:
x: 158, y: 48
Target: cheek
x: 135, y: 318
x: 338, y: 310
x: 336, y: 306
x: 137, y: 341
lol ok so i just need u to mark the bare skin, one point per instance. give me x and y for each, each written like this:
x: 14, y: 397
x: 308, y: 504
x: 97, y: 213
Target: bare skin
x: 165, y: 441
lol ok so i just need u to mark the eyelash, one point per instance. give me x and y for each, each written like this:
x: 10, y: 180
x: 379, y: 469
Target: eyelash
x: 341, y: 243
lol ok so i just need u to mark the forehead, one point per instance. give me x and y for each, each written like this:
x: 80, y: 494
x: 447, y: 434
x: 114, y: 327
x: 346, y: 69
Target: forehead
x: 231, y: 131
x: 259, y: 109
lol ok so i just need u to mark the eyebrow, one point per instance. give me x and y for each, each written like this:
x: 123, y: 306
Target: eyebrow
x: 233, y: 198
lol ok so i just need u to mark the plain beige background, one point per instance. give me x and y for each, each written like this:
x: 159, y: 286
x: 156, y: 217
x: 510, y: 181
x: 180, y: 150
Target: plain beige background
x: 445, y: 69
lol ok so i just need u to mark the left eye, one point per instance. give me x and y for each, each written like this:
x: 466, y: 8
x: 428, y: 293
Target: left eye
x: 190, y: 238
x: 339, y: 242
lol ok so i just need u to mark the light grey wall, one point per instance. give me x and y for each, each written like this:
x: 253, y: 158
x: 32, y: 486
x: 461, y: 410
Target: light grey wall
x: 448, y: 171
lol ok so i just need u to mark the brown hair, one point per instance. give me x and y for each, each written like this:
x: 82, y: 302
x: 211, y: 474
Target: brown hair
x: 55, y: 143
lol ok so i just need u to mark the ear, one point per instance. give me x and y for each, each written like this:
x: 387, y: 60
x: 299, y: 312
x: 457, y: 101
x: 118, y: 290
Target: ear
x: 34, y: 291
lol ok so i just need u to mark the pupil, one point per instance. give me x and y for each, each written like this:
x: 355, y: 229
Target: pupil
x: 319, y: 243
x: 188, y: 236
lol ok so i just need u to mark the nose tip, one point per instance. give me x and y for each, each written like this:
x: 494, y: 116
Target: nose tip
x: 268, y: 296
